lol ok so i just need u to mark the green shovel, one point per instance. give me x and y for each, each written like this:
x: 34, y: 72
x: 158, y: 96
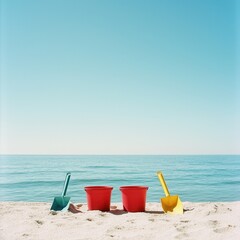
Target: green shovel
x: 62, y: 203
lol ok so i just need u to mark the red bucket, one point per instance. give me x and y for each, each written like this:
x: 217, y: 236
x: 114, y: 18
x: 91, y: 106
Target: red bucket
x: 98, y: 197
x: 134, y: 198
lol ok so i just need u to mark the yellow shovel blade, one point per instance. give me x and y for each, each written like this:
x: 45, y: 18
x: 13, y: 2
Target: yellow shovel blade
x: 172, y: 204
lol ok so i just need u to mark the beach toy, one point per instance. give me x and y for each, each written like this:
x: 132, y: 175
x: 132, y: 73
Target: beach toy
x: 98, y: 197
x: 170, y: 204
x: 62, y: 203
x: 134, y: 198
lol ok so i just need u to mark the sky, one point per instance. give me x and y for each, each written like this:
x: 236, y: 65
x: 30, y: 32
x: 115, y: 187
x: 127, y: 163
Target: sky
x: 120, y: 77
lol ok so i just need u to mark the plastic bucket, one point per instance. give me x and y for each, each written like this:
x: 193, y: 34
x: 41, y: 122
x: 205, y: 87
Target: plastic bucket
x: 98, y: 197
x: 134, y: 198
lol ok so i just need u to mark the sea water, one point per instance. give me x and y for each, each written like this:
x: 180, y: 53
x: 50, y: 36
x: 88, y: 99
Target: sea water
x: 40, y: 178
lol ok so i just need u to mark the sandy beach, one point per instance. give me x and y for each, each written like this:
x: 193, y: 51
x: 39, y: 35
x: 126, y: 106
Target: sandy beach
x: 214, y: 220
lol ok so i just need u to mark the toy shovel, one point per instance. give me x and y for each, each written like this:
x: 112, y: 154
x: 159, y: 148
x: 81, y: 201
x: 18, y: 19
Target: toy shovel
x: 170, y: 204
x: 62, y: 202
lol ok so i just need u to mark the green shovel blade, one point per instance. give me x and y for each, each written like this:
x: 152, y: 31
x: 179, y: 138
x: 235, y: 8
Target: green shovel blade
x: 60, y: 203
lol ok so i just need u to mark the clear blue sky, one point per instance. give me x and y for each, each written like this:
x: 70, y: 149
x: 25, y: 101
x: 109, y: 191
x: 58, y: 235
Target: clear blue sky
x: 120, y: 77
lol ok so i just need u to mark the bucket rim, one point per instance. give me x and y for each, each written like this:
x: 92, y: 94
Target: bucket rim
x: 133, y: 187
x: 98, y: 188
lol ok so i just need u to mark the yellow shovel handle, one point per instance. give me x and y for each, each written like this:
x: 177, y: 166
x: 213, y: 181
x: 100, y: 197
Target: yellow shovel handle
x: 164, y: 185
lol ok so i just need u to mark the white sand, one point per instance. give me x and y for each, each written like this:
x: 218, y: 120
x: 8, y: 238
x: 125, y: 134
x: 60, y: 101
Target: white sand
x: 216, y: 220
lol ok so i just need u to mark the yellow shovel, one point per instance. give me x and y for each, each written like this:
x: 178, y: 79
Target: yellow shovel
x: 170, y: 204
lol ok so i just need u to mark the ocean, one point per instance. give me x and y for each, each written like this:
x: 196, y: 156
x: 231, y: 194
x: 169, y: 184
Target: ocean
x: 196, y: 178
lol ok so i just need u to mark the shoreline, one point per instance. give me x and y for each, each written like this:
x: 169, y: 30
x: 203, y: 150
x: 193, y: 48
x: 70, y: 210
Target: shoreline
x: 34, y: 220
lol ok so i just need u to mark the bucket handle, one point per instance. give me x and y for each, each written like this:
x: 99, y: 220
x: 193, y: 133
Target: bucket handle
x: 65, y: 186
x: 164, y: 185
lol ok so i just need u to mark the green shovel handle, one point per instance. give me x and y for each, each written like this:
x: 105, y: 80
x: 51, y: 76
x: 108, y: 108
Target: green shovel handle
x: 68, y: 175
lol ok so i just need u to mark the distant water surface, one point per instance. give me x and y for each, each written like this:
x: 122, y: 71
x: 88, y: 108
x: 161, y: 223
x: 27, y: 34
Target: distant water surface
x: 194, y: 178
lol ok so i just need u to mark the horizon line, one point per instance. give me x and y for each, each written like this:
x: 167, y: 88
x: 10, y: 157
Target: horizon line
x: 124, y: 154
